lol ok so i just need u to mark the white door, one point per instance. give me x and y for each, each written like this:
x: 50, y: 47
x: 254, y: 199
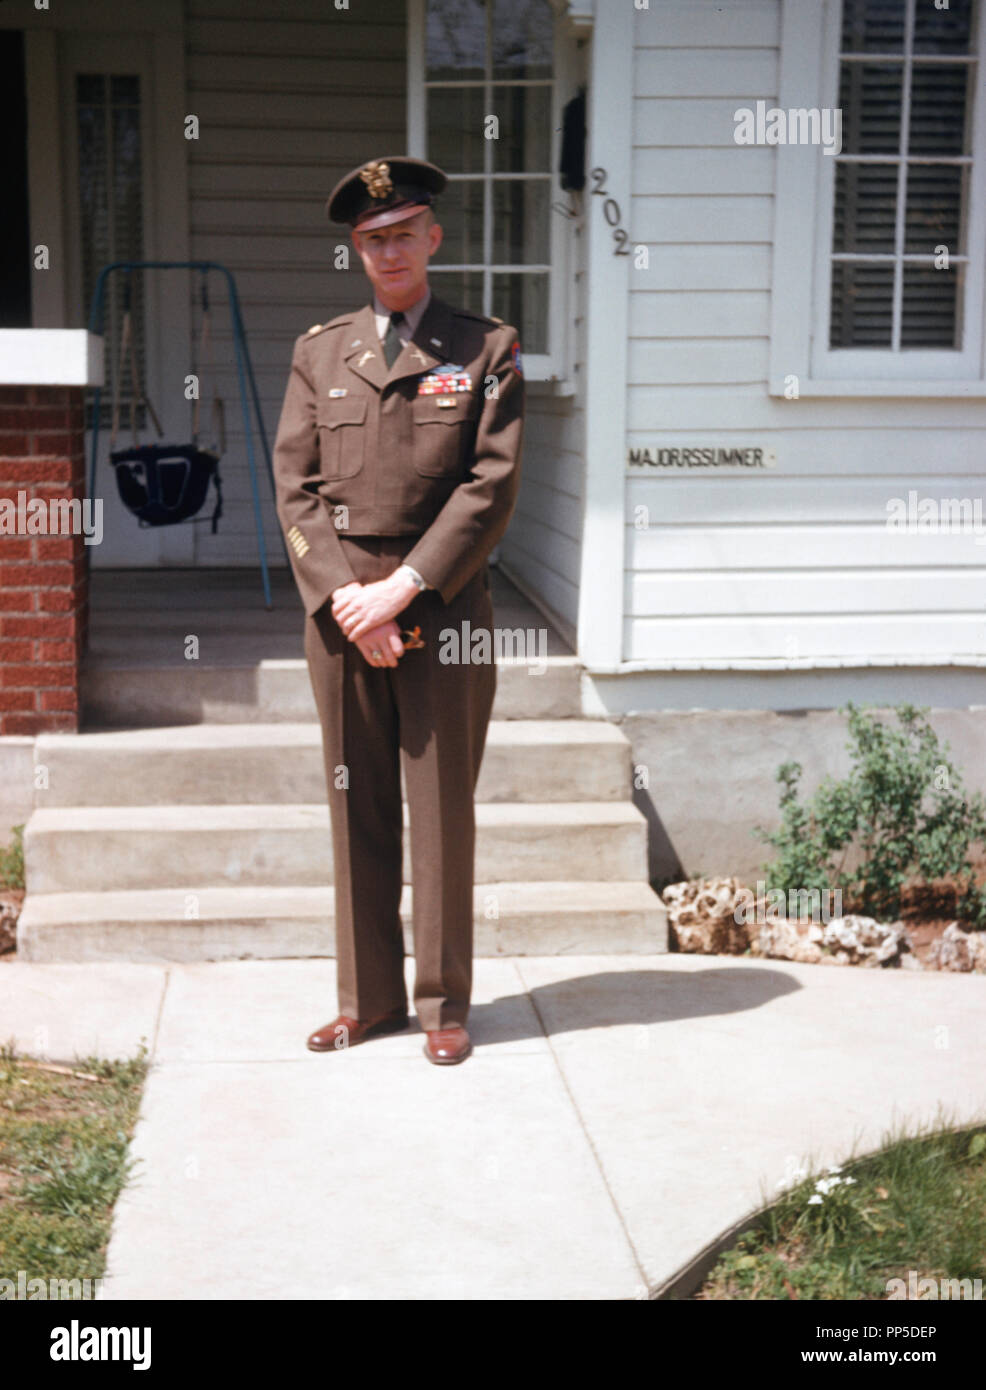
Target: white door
x: 116, y: 207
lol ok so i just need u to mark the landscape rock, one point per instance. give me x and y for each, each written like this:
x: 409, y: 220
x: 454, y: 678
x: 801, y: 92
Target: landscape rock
x: 867, y: 941
x: 702, y: 916
x: 782, y: 939
x: 959, y: 950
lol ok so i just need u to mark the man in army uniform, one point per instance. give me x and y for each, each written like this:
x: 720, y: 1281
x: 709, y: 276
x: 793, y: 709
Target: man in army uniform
x: 397, y: 465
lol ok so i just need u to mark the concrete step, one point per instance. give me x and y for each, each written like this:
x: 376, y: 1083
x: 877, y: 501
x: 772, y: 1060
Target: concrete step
x: 117, y: 695
x: 525, y: 760
x: 264, y: 922
x: 86, y: 849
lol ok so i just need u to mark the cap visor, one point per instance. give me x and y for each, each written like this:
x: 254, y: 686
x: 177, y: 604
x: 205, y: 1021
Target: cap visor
x: 388, y: 217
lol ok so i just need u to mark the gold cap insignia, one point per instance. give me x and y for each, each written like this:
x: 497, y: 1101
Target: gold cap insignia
x: 376, y: 176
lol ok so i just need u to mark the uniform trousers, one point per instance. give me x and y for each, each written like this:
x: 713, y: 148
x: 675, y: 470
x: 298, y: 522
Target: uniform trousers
x: 433, y: 716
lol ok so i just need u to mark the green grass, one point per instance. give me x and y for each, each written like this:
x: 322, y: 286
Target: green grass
x: 12, y: 860
x: 63, y: 1162
x: 919, y: 1204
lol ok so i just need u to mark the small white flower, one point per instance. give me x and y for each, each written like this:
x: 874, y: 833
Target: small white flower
x: 835, y: 1168
x: 814, y: 1201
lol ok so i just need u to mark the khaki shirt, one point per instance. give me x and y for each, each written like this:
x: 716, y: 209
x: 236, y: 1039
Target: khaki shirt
x: 418, y: 450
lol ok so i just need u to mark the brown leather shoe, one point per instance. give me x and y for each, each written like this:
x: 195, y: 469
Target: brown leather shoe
x: 446, y: 1046
x: 345, y: 1032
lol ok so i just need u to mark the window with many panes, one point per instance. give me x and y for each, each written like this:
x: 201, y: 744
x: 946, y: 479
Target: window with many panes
x: 108, y: 137
x: 879, y: 242
x: 902, y: 180
x: 484, y: 93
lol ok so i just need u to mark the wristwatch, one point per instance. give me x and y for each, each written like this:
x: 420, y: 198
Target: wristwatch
x: 416, y: 577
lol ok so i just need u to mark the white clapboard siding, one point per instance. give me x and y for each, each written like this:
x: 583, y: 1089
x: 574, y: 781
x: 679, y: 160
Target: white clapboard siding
x: 795, y: 562
x: 288, y: 98
x: 766, y: 592
x: 732, y: 360
x: 542, y: 547
x: 554, y: 425
x: 709, y: 24
x: 853, y: 637
x: 682, y: 267
x: 563, y: 507
x: 695, y: 220
x: 785, y: 548
x: 742, y: 170
x: 552, y: 486
x: 671, y: 71
x: 547, y: 558
x: 255, y: 146
x: 737, y: 500
x: 288, y: 71
x: 681, y: 314
x: 739, y: 409
x: 694, y: 122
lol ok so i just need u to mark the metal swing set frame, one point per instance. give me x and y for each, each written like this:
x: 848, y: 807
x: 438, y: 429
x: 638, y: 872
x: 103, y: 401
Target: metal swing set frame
x: 245, y: 377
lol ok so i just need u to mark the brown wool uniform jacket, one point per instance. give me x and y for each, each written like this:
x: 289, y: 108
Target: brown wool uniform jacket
x: 366, y: 451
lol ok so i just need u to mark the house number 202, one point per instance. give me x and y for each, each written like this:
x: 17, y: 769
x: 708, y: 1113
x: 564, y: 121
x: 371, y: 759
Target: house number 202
x: 611, y: 212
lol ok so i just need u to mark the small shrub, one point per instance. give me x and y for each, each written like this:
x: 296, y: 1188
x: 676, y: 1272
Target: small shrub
x: 12, y: 860
x: 901, y: 816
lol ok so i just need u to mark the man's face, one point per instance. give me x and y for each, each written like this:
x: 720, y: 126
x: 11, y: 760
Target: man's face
x: 396, y: 258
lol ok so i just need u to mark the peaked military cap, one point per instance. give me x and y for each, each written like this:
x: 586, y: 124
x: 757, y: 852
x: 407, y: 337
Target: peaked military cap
x: 383, y: 191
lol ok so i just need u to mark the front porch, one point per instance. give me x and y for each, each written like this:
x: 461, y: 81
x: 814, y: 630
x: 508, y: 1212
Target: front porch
x: 250, y: 665
x: 188, y: 819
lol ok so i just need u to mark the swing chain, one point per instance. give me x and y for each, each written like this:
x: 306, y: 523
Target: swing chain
x: 205, y: 354
x: 137, y: 396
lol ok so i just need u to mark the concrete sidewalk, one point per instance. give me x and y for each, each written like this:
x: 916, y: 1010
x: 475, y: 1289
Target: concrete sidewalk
x: 618, y: 1114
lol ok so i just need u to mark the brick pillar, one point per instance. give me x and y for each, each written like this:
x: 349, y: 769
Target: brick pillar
x: 44, y: 579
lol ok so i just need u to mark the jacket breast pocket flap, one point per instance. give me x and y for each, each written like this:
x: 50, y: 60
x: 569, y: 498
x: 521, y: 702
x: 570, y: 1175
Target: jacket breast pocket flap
x: 341, y: 433
x: 438, y: 433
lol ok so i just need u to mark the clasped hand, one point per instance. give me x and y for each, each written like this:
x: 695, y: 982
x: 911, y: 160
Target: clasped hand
x: 366, y: 612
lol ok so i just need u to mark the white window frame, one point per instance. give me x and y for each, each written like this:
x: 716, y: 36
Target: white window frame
x: 803, y: 213
x: 556, y: 365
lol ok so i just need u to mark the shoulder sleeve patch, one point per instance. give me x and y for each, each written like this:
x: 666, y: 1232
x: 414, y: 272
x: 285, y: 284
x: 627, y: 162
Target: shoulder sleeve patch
x: 515, y: 357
